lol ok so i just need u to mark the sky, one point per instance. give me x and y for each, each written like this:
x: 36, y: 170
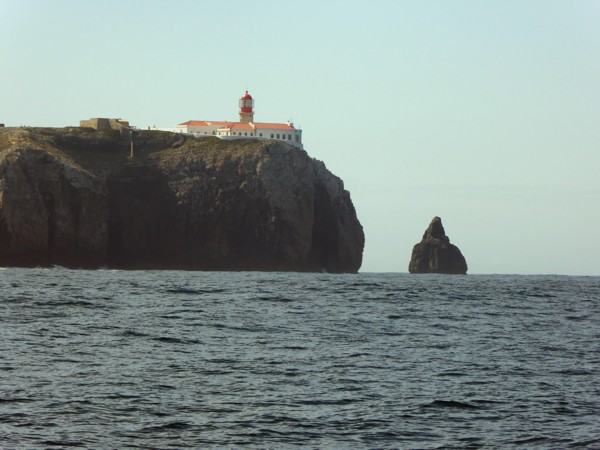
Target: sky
x: 486, y: 114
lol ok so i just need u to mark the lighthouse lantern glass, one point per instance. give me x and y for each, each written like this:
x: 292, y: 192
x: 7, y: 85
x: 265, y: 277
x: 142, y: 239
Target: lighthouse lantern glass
x: 246, y: 104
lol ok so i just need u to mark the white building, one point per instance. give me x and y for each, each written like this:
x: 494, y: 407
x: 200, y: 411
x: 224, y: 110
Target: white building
x: 246, y: 128
x: 207, y: 127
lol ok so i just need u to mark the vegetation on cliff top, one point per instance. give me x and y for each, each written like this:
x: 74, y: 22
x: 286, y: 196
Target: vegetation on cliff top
x: 102, y: 152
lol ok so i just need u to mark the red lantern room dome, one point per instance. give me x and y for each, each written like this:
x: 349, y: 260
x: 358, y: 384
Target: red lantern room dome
x: 246, y: 103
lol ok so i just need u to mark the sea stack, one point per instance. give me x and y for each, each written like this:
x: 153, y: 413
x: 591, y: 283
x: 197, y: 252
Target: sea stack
x: 435, y: 253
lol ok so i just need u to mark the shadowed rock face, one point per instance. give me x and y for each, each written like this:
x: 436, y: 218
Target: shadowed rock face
x: 435, y: 253
x: 72, y: 197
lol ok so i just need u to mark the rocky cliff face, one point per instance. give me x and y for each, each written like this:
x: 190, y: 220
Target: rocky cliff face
x: 73, y: 197
x: 435, y: 253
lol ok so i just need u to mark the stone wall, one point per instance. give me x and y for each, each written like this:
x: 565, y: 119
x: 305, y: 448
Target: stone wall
x: 104, y: 124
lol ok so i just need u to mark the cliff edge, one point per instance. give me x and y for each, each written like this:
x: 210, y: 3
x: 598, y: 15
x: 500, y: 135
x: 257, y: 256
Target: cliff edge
x: 435, y: 253
x: 74, y: 197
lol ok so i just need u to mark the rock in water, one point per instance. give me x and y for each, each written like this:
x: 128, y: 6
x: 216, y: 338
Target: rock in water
x: 73, y: 197
x: 435, y: 253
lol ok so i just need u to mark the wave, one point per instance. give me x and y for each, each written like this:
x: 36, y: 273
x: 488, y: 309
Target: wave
x: 451, y: 404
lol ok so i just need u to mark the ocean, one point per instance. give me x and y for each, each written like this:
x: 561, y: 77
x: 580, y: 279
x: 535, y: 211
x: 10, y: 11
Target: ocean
x: 173, y: 359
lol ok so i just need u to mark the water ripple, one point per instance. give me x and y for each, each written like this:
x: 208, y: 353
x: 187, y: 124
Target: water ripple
x: 111, y: 359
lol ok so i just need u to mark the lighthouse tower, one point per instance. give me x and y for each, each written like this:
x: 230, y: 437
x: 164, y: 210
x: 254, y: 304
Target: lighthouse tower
x: 246, y: 108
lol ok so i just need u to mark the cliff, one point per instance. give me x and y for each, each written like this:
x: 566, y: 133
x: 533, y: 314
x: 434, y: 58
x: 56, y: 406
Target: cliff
x: 435, y: 253
x: 74, y: 197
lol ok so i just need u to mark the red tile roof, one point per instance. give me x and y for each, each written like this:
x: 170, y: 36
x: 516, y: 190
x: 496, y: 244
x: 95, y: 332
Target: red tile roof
x: 279, y: 126
x: 205, y: 123
x: 238, y: 125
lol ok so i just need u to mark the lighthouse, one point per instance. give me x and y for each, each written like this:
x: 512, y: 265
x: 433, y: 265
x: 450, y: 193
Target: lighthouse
x: 246, y: 108
x: 246, y: 128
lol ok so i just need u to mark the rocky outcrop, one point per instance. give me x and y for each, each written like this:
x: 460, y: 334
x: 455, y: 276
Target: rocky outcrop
x: 435, y: 253
x: 74, y: 197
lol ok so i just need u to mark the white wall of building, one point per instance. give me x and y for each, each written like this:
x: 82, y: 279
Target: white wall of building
x: 207, y: 129
x: 286, y: 134
x: 236, y: 130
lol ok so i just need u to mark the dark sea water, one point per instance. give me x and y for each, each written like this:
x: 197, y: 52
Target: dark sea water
x: 154, y: 359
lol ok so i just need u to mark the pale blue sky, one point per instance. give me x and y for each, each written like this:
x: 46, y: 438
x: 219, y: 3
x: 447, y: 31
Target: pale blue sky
x: 486, y: 113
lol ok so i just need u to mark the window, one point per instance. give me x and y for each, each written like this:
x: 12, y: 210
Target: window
x: 245, y: 134
x: 271, y: 135
x: 277, y: 135
x: 297, y: 138
x: 260, y: 134
x: 289, y: 137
